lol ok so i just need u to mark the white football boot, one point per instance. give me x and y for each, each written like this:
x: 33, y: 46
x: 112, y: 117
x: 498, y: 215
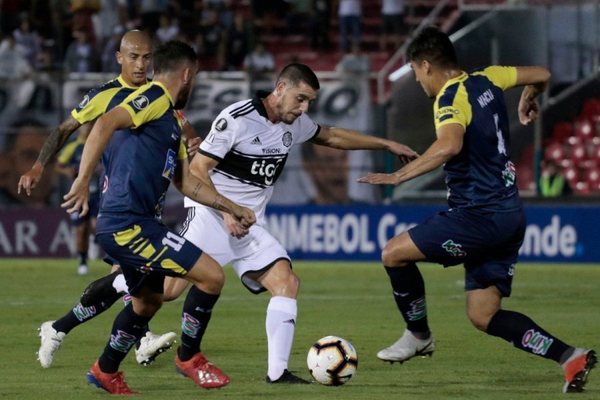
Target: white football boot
x: 51, y: 340
x: 152, y: 345
x: 407, y: 347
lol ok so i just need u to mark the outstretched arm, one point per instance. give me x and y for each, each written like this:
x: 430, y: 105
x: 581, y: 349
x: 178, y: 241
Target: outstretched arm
x: 77, y: 198
x: 346, y: 139
x: 448, y: 144
x: 535, y: 80
x: 53, y: 143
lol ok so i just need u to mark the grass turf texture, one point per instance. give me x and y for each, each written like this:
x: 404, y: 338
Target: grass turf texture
x: 351, y: 300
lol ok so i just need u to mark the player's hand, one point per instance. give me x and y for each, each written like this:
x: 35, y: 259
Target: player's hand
x: 234, y: 228
x: 192, y: 146
x: 404, y: 153
x: 379, y: 179
x: 244, y: 216
x: 528, y: 110
x: 30, y: 179
x: 77, y: 198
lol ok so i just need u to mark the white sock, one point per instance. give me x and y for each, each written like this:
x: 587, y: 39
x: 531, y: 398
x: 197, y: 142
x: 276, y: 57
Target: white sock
x: 120, y: 285
x: 280, y: 324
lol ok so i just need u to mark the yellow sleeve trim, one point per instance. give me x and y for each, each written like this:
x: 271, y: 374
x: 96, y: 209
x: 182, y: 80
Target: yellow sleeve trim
x: 503, y: 77
x: 94, y: 107
x: 146, y: 112
x: 182, y: 153
x: 459, y: 112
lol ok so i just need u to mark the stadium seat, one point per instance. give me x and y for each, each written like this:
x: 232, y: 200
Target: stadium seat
x: 584, y: 128
x: 525, y: 178
x: 562, y: 131
x: 592, y: 177
x: 591, y: 107
x: 574, y: 140
x: 555, y: 151
x: 571, y: 175
x: 578, y: 153
x: 581, y: 188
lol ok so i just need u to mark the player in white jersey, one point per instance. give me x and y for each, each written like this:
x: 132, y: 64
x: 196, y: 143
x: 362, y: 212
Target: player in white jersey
x: 243, y: 155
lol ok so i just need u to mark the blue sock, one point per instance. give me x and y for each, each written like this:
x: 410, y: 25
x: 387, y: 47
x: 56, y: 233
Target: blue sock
x: 127, y: 329
x: 409, y: 293
x: 197, y: 310
x: 524, y: 334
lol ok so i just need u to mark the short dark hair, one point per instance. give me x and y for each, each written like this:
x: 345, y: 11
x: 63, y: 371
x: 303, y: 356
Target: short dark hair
x: 168, y: 56
x: 296, y: 73
x: 432, y: 45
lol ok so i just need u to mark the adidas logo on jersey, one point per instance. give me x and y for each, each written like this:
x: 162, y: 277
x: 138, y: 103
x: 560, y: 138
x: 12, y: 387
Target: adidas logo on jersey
x: 256, y: 140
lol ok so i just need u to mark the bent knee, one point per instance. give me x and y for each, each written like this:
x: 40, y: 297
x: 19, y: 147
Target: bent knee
x: 391, y: 256
x: 214, y: 281
x: 479, y: 320
x: 286, y: 286
x: 148, y: 308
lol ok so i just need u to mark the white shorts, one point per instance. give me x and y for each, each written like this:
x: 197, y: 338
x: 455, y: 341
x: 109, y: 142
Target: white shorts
x: 255, y: 252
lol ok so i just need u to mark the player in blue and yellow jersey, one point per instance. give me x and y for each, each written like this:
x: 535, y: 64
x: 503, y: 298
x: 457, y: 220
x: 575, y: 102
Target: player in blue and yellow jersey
x: 485, y: 225
x: 140, y: 163
x: 135, y: 56
x: 84, y: 226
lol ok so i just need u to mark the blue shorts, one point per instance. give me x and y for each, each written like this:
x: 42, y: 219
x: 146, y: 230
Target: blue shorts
x: 93, y: 204
x: 147, y: 252
x: 487, y: 243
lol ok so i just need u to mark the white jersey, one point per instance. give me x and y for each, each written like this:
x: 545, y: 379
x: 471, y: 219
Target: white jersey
x: 252, y: 152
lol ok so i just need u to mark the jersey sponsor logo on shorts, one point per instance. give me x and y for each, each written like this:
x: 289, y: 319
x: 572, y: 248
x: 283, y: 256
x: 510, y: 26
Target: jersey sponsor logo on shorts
x: 140, y: 102
x: 287, y: 139
x: 509, y: 175
x: 105, y: 184
x: 257, y: 141
x: 454, y: 249
x: 85, y: 101
x: 221, y: 124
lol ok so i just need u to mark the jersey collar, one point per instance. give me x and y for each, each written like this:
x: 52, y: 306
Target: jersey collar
x: 125, y: 84
x: 258, y: 104
x: 463, y: 75
x: 165, y: 90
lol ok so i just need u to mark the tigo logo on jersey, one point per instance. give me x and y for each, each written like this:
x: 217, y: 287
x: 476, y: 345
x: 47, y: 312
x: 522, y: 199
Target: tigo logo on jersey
x: 263, y: 168
x: 140, y: 102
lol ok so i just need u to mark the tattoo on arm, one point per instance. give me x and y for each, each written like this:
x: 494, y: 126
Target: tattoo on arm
x: 56, y: 140
x: 218, y: 203
x: 197, y: 189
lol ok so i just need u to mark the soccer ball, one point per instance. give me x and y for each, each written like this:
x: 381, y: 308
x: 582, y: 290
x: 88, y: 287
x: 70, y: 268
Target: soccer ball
x: 332, y: 361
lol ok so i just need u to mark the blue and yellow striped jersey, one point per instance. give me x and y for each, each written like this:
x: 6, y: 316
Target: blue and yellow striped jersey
x: 481, y: 175
x: 140, y: 162
x: 102, y: 99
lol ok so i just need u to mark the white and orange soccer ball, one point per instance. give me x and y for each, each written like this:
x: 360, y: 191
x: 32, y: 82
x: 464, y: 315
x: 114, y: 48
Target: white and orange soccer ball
x: 332, y: 361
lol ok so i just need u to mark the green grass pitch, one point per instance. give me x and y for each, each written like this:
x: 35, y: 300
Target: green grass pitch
x: 351, y: 300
